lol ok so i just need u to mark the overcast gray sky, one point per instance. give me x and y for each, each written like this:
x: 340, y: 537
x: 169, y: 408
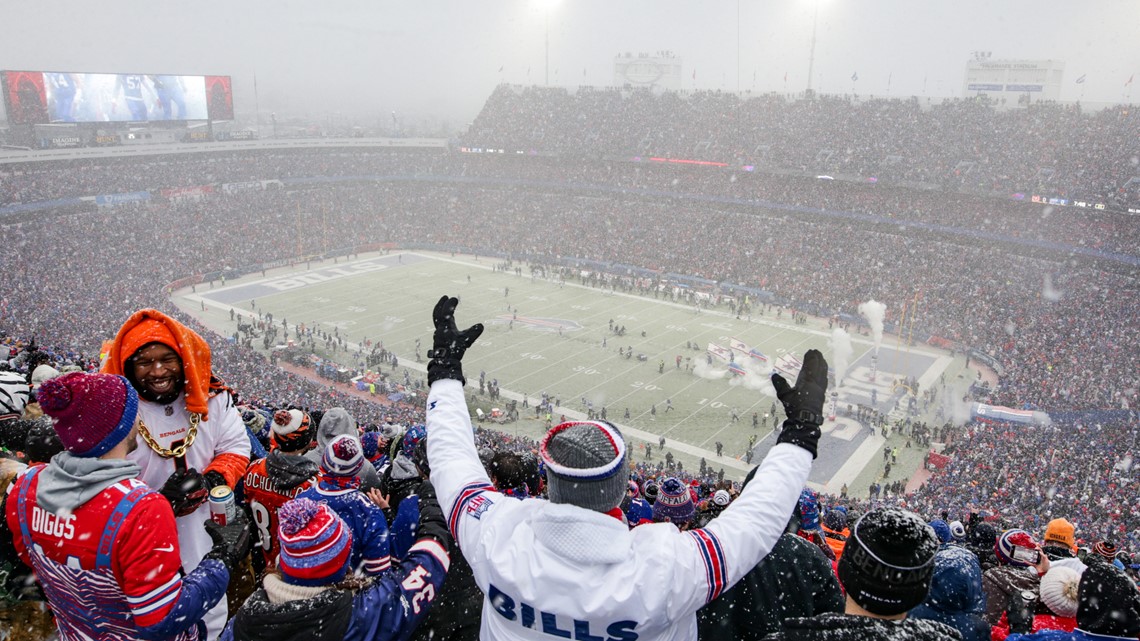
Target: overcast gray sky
x: 442, y: 59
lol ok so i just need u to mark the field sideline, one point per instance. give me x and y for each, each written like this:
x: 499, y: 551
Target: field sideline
x: 546, y: 336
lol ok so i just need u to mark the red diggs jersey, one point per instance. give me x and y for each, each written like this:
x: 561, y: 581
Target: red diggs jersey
x: 265, y: 497
x: 107, y: 568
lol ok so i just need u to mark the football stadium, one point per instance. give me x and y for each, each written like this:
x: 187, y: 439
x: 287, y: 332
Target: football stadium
x: 781, y: 322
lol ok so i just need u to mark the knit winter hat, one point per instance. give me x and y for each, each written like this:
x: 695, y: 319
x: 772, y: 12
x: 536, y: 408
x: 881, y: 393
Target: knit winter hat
x: 316, y: 544
x: 370, y: 445
x: 585, y: 464
x: 888, y: 561
x: 343, y: 456
x: 41, y: 442
x: 835, y: 519
x: 634, y: 489
x: 1059, y: 590
x: 1105, y: 549
x: 92, y: 413
x: 1108, y: 602
x: 14, y: 394
x: 1003, y: 547
x: 941, y: 530
x: 292, y: 430
x: 1061, y: 532
x: 957, y: 530
x: 43, y: 373
x: 807, y: 509
x: 721, y: 498
x: 411, y: 437
x: 674, y: 503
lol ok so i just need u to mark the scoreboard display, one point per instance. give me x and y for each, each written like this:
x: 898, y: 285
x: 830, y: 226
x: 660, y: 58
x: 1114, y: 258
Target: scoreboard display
x: 41, y: 97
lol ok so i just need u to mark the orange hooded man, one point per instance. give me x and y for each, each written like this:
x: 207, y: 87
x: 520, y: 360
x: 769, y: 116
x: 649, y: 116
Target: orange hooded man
x: 191, y: 438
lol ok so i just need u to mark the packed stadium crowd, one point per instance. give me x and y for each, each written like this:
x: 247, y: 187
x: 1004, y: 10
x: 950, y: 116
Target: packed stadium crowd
x: 1056, y: 321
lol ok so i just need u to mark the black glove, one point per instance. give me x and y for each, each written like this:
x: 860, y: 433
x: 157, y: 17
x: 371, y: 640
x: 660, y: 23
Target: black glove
x: 448, y: 343
x: 432, y: 524
x: 803, y: 403
x: 213, y: 478
x: 231, y: 541
x: 186, y: 490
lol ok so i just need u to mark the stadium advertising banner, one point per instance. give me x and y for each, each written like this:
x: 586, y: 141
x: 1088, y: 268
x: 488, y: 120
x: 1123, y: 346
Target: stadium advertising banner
x: 37, y: 97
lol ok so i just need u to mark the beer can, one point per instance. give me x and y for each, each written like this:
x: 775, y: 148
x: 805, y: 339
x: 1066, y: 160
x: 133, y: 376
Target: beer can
x: 223, y: 509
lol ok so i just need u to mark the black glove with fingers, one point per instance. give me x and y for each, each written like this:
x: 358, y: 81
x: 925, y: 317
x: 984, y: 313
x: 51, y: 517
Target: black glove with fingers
x: 431, y: 524
x: 186, y: 490
x: 803, y: 403
x: 448, y: 343
x: 231, y: 541
x: 213, y: 478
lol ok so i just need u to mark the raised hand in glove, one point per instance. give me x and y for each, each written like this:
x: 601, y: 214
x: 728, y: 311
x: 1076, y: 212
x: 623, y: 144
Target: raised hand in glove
x: 803, y: 403
x: 432, y: 524
x: 186, y: 490
x: 231, y: 541
x: 448, y: 343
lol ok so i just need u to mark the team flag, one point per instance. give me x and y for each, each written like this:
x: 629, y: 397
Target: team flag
x: 720, y: 352
x: 735, y: 368
x: 1081, y: 80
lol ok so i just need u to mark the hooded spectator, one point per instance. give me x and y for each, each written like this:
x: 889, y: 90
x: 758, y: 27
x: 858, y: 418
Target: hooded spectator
x: 63, y: 513
x: 956, y: 597
x: 333, y: 423
x: 189, y: 416
x: 1014, y: 576
x: 338, y: 486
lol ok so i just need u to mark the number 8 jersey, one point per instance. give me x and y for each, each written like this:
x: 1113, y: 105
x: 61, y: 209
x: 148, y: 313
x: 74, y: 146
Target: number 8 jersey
x: 269, y: 483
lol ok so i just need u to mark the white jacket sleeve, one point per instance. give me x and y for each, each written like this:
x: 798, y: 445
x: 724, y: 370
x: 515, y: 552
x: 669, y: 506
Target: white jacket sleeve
x: 456, y: 472
x: 734, y: 542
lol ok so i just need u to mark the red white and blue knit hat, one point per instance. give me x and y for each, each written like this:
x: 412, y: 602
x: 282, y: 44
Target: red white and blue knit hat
x: 1003, y: 547
x: 585, y: 464
x: 92, y: 413
x: 316, y: 545
x: 674, y: 503
x: 343, y: 456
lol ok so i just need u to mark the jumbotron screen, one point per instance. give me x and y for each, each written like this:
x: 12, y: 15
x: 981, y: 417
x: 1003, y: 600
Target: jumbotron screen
x: 39, y: 97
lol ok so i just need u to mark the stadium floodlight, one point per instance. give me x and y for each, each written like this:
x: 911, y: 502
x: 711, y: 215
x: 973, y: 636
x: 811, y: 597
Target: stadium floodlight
x: 547, y: 5
x: 814, y: 23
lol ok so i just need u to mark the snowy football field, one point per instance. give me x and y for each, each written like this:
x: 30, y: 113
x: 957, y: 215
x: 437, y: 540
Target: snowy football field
x: 543, y: 336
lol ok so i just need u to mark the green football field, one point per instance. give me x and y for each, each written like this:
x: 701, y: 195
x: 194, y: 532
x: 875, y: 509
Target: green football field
x: 546, y: 336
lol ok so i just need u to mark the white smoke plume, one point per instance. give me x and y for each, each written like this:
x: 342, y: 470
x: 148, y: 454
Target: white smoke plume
x: 874, y: 312
x: 841, y: 352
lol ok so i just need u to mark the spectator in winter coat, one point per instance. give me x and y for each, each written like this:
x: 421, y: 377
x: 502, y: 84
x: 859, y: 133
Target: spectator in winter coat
x: 193, y: 438
x: 1108, y: 609
x: 956, y: 597
x: 570, y: 565
x: 313, y: 594
x: 1056, y: 610
x: 835, y: 530
x: 794, y: 580
x: 104, y: 545
x: 1013, y: 576
x: 279, y: 477
x: 886, y: 570
x: 637, y: 510
x: 335, y: 422
x: 338, y: 486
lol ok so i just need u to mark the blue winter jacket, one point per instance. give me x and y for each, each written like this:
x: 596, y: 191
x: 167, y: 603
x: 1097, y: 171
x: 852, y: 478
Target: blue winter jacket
x: 956, y: 597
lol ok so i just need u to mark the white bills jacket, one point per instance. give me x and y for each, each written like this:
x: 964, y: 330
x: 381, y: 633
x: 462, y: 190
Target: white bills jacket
x: 554, y: 571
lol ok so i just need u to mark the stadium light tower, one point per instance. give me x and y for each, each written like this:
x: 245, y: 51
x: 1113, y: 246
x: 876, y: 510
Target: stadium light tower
x: 547, y: 5
x: 814, y: 24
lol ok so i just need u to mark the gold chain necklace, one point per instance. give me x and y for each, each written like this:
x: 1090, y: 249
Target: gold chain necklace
x: 179, y: 451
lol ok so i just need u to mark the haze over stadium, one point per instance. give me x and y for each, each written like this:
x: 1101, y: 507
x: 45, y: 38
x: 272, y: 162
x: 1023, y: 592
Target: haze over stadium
x: 684, y: 239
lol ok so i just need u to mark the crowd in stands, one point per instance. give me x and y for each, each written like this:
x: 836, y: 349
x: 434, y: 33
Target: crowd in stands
x: 1047, y: 148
